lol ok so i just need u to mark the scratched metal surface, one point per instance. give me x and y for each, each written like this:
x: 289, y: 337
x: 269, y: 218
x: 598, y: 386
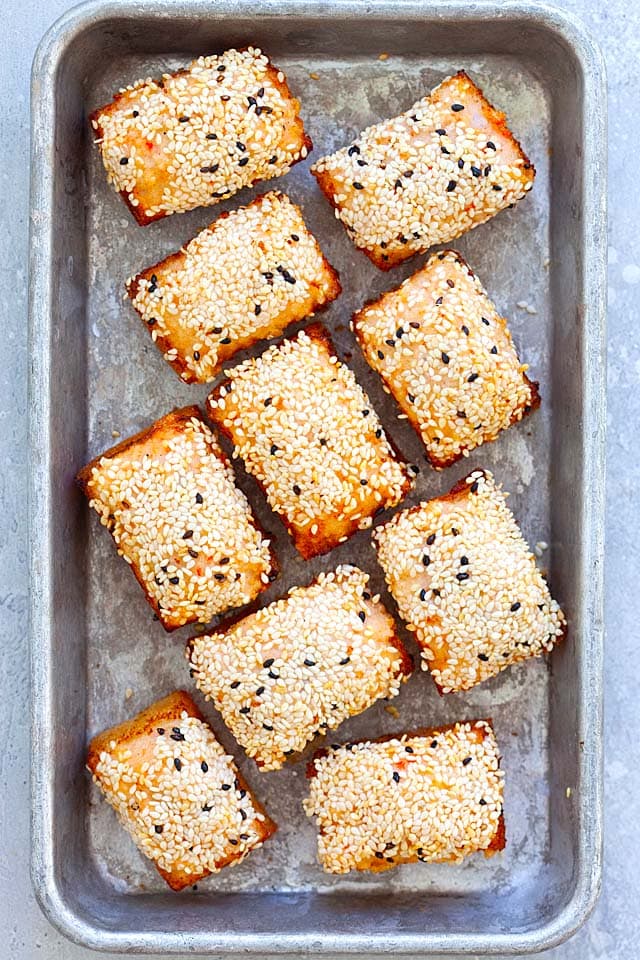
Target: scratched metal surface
x: 127, y: 660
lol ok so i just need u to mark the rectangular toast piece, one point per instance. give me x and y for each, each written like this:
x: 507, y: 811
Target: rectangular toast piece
x: 434, y: 795
x: 307, y: 432
x: 177, y: 792
x: 242, y: 279
x: 168, y: 497
x: 447, y: 357
x: 467, y: 585
x: 300, y: 666
x: 199, y: 135
x: 445, y: 165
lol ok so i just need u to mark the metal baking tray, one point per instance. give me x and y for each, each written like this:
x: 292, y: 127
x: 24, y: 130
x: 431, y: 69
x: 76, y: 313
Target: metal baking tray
x: 97, y: 655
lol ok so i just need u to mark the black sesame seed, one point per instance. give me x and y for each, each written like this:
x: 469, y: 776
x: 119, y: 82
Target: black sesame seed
x: 267, y: 726
x: 158, y: 828
x: 226, y: 340
x: 252, y: 101
x: 390, y: 343
x: 196, y: 355
x: 493, y: 350
x: 466, y: 761
x: 397, y: 186
x: 472, y: 377
x: 445, y: 151
x: 323, y: 442
x: 244, y: 710
x: 450, y: 284
x: 309, y: 663
x: 257, y: 309
x: 491, y: 145
x: 187, y: 535
x: 235, y: 684
x: 411, y: 398
x: 295, y: 237
x: 274, y: 449
x: 439, y: 301
x: 243, y: 793
x: 357, y: 186
x: 515, y: 606
x: 353, y: 149
x: 445, y: 357
x: 363, y: 481
x: 483, y: 657
x: 408, y: 174
x: 433, y: 744
x: 366, y: 412
x: 464, y: 561
x: 219, y: 576
x: 457, y: 107
x: 362, y: 163
x: 423, y: 594
x: 267, y: 663
x: 212, y: 136
x: 296, y: 489
x: 461, y: 414
x: 380, y: 355
x: 487, y: 170
x: 161, y: 730
x: 273, y: 159
x: 474, y: 487
x: 226, y: 786
x: 482, y: 802
x: 135, y: 113
x: 451, y: 185
x: 465, y: 329
x: 177, y: 735
x: 441, y: 132
x: 177, y: 764
x: 400, y: 333
x: 174, y: 580
x: 384, y: 244
x: 414, y: 325
x: 233, y: 842
x: 124, y: 161
x: 366, y: 595
x: 260, y: 691
x: 379, y: 855
x: 344, y: 660
x: 151, y: 321
x: 378, y: 432
x: 243, y: 161
x: 217, y: 330
x: 460, y: 163
x: 462, y: 576
x: 408, y: 749
x: 497, y: 187
x: 396, y: 776
x: 183, y: 119
x: 243, y: 814
x: 476, y: 171
x: 362, y: 615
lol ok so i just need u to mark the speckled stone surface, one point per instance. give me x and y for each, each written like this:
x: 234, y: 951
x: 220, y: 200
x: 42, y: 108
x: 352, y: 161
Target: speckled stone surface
x: 613, y: 931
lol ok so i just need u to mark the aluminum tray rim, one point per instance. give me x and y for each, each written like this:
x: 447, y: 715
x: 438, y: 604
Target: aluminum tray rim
x: 589, y: 860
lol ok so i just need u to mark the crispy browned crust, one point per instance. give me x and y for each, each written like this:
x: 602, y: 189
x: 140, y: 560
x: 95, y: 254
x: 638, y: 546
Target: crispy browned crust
x: 307, y: 544
x: 266, y: 332
x: 167, y: 710
x: 173, y: 420
x: 438, y: 463
x: 405, y: 669
x: 98, y: 132
x: 461, y: 490
x: 499, y: 840
x: 495, y: 117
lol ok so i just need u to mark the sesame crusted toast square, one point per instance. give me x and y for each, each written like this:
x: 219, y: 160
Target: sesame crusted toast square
x: 307, y: 432
x: 427, y: 176
x: 434, y: 795
x: 447, y: 357
x: 176, y: 791
x: 300, y: 666
x: 467, y: 585
x: 168, y: 497
x: 242, y: 279
x: 199, y: 135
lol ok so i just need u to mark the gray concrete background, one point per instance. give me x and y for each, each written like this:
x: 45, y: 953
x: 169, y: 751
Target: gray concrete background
x: 613, y: 931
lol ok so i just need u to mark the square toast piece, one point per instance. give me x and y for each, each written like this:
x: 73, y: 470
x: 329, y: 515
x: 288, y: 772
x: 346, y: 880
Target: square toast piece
x: 168, y: 497
x: 177, y: 792
x: 434, y: 796
x: 301, y: 666
x: 243, y: 279
x: 447, y: 357
x: 307, y: 432
x: 467, y: 584
x: 199, y: 135
x: 426, y: 177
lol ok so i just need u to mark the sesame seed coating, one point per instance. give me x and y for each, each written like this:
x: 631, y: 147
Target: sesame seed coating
x: 199, y: 135
x: 307, y: 432
x: 301, y: 666
x: 231, y: 286
x: 480, y: 604
x: 432, y: 341
x: 177, y: 792
x: 168, y: 497
x: 432, y: 796
x: 427, y: 176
